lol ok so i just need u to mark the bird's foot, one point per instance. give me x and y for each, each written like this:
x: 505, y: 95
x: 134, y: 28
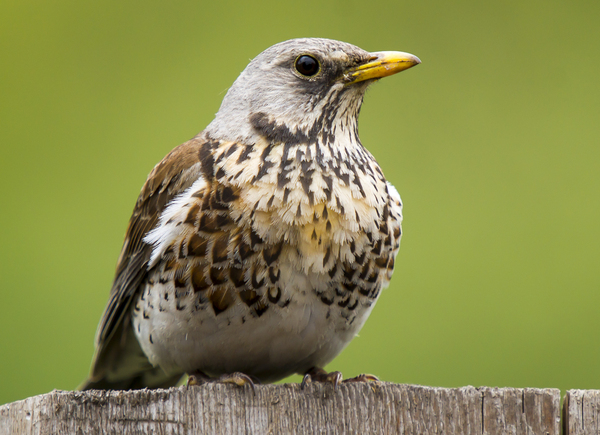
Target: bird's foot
x: 319, y: 375
x: 237, y: 378
x: 364, y: 377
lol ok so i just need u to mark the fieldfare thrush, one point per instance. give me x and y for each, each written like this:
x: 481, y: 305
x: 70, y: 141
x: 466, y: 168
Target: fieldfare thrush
x: 258, y: 249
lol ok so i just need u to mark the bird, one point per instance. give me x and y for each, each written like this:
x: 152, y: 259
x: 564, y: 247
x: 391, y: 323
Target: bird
x: 258, y: 249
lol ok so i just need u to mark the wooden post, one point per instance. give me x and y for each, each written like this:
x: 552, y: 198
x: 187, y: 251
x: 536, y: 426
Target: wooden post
x: 581, y: 412
x: 374, y: 408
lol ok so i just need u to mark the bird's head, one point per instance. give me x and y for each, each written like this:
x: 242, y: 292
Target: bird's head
x: 301, y: 89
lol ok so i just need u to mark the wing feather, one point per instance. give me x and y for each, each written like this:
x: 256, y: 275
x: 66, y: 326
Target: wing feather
x: 175, y: 173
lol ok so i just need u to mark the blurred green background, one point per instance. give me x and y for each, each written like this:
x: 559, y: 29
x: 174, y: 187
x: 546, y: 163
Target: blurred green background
x: 493, y: 143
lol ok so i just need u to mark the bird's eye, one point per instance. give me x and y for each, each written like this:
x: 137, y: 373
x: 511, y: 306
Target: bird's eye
x: 307, y: 65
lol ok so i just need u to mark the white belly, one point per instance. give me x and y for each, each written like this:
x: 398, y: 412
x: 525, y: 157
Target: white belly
x: 284, y: 340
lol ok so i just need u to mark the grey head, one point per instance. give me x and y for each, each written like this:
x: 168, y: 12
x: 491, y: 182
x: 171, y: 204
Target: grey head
x: 301, y: 89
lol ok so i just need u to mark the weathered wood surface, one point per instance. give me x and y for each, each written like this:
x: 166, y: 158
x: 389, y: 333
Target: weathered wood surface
x: 581, y: 412
x: 380, y: 408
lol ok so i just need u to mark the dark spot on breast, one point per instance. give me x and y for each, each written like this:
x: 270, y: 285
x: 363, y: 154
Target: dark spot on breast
x: 377, y: 248
x: 333, y: 271
x: 306, y: 179
x: 192, y: 214
x: 326, y: 258
x: 221, y: 300
x: 179, y: 282
x: 364, y: 291
x: 329, y: 181
x: 282, y: 177
x: 260, y: 309
x: 383, y: 228
x: 220, y: 173
x: 365, y: 271
x: 326, y: 301
x: 198, y: 279
x: 271, y: 254
x: 169, y: 264
x: 349, y: 286
x: 274, y: 294
x: 386, y: 213
x: 237, y: 276
x: 244, y: 251
x: 344, y: 302
x: 348, y: 272
x: 218, y: 276
x: 353, y: 306
x: 231, y: 149
x: 265, y: 164
x: 356, y: 181
x: 245, y: 154
x: 255, y: 239
x: 197, y: 246
x: 274, y: 278
x: 219, y: 251
x: 206, y: 158
x: 216, y: 203
x: 360, y: 259
x: 255, y: 283
x: 223, y: 221
x: 249, y: 297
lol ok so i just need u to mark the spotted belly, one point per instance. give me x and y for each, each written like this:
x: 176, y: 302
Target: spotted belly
x: 181, y: 331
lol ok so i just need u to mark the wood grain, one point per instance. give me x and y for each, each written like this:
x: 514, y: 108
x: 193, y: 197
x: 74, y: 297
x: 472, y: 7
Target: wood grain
x: 375, y: 408
x: 581, y: 412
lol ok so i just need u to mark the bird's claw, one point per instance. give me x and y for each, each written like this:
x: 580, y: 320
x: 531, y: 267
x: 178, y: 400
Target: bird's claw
x: 237, y: 378
x: 320, y: 375
x: 364, y: 377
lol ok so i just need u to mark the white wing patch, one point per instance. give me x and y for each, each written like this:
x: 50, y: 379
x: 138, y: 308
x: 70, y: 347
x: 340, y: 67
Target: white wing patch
x: 168, y: 227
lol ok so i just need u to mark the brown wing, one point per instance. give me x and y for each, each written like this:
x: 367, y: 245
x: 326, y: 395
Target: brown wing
x: 119, y: 362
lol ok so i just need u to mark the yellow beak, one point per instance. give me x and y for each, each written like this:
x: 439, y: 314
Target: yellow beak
x: 383, y: 64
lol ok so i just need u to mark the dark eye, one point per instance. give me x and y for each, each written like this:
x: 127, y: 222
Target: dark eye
x: 307, y: 65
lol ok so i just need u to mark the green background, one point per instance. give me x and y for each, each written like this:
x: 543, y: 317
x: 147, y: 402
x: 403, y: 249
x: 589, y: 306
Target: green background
x: 493, y: 144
